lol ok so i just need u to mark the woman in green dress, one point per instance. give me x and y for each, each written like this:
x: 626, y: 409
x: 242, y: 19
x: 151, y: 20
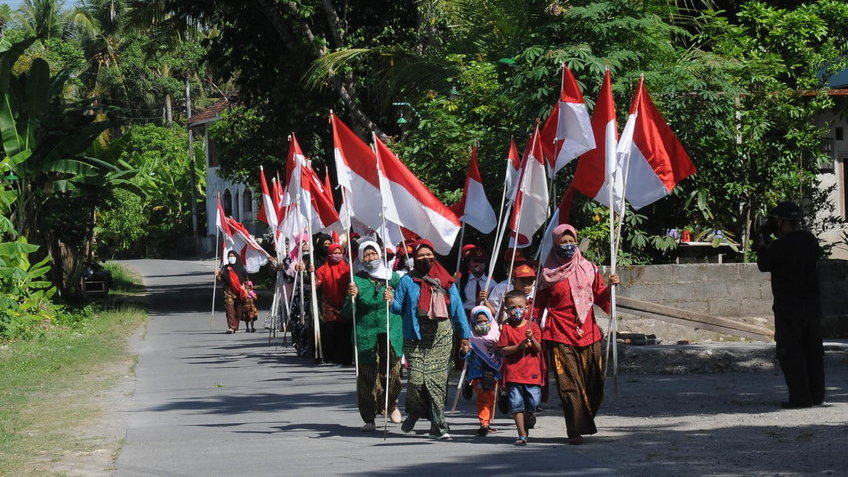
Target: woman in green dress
x: 368, y: 291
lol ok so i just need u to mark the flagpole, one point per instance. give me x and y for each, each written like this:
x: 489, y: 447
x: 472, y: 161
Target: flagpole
x: 214, y: 280
x: 388, y: 324
x: 503, y: 203
x: 353, y: 299
x: 459, y: 251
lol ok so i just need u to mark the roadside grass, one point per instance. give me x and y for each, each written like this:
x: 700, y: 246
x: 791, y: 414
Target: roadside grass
x: 52, y: 388
x: 124, y: 280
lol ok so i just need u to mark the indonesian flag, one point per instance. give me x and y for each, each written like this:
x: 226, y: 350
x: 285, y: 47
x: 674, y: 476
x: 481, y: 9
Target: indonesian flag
x: 599, y: 170
x: 221, y: 221
x: 651, y: 156
x: 531, y: 202
x: 568, y: 131
x: 423, y: 213
x: 513, y: 170
x: 356, y: 173
x: 268, y: 211
x: 474, y: 208
x: 328, y: 188
x: 305, y: 190
x: 252, y: 254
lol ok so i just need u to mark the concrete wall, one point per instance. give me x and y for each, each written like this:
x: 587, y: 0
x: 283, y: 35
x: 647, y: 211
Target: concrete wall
x: 736, y: 291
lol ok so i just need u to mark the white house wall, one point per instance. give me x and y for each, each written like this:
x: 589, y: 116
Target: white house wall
x: 839, y: 196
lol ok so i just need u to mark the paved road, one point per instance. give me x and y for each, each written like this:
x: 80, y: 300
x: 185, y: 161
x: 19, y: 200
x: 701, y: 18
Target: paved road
x: 207, y: 403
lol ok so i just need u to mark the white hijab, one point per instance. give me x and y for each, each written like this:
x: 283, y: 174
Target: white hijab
x: 382, y: 272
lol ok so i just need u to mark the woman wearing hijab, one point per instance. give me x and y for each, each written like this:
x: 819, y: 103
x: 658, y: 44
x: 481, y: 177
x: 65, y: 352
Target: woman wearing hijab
x: 238, y: 304
x: 368, y: 290
x: 568, y: 288
x: 429, y: 304
x: 332, y: 279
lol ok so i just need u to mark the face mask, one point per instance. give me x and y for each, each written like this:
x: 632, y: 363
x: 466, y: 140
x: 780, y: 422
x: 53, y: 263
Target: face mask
x: 372, y: 266
x: 231, y: 260
x: 567, y: 250
x: 424, y: 265
x: 335, y: 258
x: 481, y: 329
x: 515, y: 315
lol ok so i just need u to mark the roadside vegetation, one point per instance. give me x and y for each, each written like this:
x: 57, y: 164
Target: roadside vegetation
x: 56, y: 378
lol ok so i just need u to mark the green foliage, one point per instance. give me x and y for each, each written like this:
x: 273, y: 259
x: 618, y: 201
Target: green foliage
x: 25, y: 292
x: 242, y: 143
x: 158, y: 211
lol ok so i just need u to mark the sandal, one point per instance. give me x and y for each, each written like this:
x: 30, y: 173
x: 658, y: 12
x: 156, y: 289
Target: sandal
x: 230, y: 331
x: 520, y: 442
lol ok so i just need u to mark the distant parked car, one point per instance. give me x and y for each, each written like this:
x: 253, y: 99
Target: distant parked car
x: 95, y: 280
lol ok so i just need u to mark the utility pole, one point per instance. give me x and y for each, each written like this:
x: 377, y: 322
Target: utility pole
x: 191, y: 167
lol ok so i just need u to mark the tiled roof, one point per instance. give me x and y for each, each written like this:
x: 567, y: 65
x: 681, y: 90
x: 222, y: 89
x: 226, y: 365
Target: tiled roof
x: 210, y: 113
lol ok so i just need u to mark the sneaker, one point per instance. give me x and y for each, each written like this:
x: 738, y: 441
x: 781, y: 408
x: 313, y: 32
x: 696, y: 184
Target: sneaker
x: 369, y: 427
x: 443, y: 437
x: 395, y: 416
x: 483, y: 431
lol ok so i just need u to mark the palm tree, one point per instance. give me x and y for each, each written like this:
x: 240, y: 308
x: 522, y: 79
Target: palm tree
x: 42, y: 19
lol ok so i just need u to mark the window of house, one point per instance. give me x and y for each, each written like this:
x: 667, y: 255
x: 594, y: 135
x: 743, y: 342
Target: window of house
x: 227, y: 203
x: 247, y: 202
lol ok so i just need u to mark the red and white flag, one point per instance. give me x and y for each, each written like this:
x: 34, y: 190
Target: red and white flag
x: 221, y: 221
x: 305, y: 189
x: 423, y: 213
x: 474, y: 208
x: 328, y: 188
x: 568, y: 131
x: 651, y: 155
x: 253, y: 256
x: 599, y: 170
x: 531, y: 202
x: 268, y: 211
x: 513, y: 170
x: 356, y: 173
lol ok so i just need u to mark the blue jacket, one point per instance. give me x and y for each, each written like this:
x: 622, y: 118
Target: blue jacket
x: 406, y: 305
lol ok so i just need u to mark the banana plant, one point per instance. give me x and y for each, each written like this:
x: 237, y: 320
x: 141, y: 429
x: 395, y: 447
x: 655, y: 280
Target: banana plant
x: 44, y: 137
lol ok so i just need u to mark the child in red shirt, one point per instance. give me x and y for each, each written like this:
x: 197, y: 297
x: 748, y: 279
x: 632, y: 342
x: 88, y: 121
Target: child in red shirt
x: 523, y: 366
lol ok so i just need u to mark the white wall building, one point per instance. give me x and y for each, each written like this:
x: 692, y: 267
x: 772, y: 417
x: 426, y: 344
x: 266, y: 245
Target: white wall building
x: 238, y: 200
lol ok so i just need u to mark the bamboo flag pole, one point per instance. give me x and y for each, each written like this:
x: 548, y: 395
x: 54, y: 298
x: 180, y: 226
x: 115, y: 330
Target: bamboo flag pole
x: 459, y: 251
x: 388, y: 323
x: 214, y: 279
x: 353, y: 299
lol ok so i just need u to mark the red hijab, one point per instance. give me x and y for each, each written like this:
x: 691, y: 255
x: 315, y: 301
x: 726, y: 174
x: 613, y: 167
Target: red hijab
x: 437, y: 272
x: 334, y: 278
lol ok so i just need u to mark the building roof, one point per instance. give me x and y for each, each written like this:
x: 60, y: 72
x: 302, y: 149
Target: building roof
x: 209, y: 114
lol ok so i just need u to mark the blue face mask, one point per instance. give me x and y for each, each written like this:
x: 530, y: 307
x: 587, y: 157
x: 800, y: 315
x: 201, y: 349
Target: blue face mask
x: 567, y: 250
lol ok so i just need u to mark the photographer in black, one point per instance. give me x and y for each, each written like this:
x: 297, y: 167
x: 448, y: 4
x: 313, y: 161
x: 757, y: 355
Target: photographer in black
x: 792, y: 260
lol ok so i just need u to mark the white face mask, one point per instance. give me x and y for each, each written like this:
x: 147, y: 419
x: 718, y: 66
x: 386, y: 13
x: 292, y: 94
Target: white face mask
x: 231, y: 260
x: 373, y: 265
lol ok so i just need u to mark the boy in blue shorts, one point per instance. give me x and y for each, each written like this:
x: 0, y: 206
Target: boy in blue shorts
x: 523, y: 367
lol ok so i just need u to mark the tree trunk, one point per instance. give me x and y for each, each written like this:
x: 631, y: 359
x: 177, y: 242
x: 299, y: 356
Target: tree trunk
x: 169, y: 111
x: 361, y: 123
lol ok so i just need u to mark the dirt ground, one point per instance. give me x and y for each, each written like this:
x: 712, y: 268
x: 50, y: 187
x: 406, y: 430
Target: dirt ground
x: 713, y: 411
